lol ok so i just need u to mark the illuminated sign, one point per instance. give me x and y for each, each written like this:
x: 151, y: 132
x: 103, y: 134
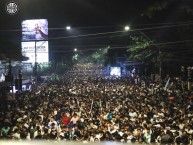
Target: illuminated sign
x: 115, y: 71
x: 36, y: 29
x: 41, y: 47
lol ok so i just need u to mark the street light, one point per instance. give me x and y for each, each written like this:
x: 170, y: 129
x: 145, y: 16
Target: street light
x: 68, y: 27
x: 75, y: 49
x: 127, y: 28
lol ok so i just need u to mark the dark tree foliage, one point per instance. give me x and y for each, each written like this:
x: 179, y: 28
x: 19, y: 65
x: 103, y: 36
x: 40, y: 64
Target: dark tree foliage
x: 175, y: 42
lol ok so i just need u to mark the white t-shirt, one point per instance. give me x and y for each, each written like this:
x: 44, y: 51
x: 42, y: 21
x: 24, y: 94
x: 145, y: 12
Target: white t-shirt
x: 132, y: 114
x: 50, y: 124
x: 74, y: 119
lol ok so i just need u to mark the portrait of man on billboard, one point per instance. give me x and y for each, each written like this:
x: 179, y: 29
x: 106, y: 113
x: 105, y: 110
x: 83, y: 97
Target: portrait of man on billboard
x: 36, y: 29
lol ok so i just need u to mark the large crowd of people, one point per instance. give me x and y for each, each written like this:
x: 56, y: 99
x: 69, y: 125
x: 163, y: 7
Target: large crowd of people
x: 93, y: 108
x: 88, y: 69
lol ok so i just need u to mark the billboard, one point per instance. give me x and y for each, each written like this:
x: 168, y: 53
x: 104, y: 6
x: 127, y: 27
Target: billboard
x: 35, y: 29
x: 28, y: 50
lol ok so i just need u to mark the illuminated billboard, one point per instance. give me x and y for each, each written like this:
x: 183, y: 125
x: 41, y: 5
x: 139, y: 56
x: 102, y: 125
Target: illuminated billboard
x: 35, y: 29
x: 28, y: 50
x: 115, y: 71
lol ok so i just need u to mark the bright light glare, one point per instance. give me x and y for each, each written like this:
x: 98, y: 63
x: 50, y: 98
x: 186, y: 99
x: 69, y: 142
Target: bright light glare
x: 75, y: 49
x: 115, y: 71
x: 68, y: 28
x: 127, y: 28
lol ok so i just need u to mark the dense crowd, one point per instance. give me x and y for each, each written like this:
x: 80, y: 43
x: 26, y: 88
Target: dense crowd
x: 88, y: 69
x: 98, y: 108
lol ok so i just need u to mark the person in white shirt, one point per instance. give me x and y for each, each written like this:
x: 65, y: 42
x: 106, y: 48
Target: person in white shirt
x: 132, y: 114
x: 75, y: 118
x: 52, y: 120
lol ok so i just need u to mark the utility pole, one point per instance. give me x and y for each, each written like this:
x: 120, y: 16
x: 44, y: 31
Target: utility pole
x: 189, y: 69
x: 10, y: 75
x: 160, y: 65
x: 35, y: 65
x: 18, y: 81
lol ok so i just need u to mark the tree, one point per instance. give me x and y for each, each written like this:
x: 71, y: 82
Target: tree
x: 139, y: 49
x: 158, y: 6
x: 175, y: 42
x: 96, y: 56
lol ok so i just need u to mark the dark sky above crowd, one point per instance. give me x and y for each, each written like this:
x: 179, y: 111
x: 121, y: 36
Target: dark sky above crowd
x: 86, y: 13
x: 78, y: 13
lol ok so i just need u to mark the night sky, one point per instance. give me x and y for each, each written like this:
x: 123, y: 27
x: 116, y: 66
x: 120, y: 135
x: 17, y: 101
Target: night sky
x: 88, y: 17
x: 78, y: 13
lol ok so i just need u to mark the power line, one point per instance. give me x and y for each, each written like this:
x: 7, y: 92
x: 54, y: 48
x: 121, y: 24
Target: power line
x: 172, y: 42
x: 110, y: 26
x: 86, y: 35
x: 99, y: 37
x: 114, y: 32
x: 181, y: 52
x: 111, y: 46
x: 175, y: 59
x: 80, y: 46
x: 169, y: 23
x: 78, y: 50
x: 105, y: 33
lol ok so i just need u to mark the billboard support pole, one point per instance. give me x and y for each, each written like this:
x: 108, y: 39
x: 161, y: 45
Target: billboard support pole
x: 35, y: 71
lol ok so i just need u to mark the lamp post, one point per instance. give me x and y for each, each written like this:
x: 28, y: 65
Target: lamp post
x: 189, y: 69
x: 20, y: 79
x: 182, y: 77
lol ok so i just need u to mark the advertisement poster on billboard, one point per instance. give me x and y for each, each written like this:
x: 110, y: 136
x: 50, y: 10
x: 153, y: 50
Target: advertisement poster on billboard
x: 35, y: 29
x: 28, y: 50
